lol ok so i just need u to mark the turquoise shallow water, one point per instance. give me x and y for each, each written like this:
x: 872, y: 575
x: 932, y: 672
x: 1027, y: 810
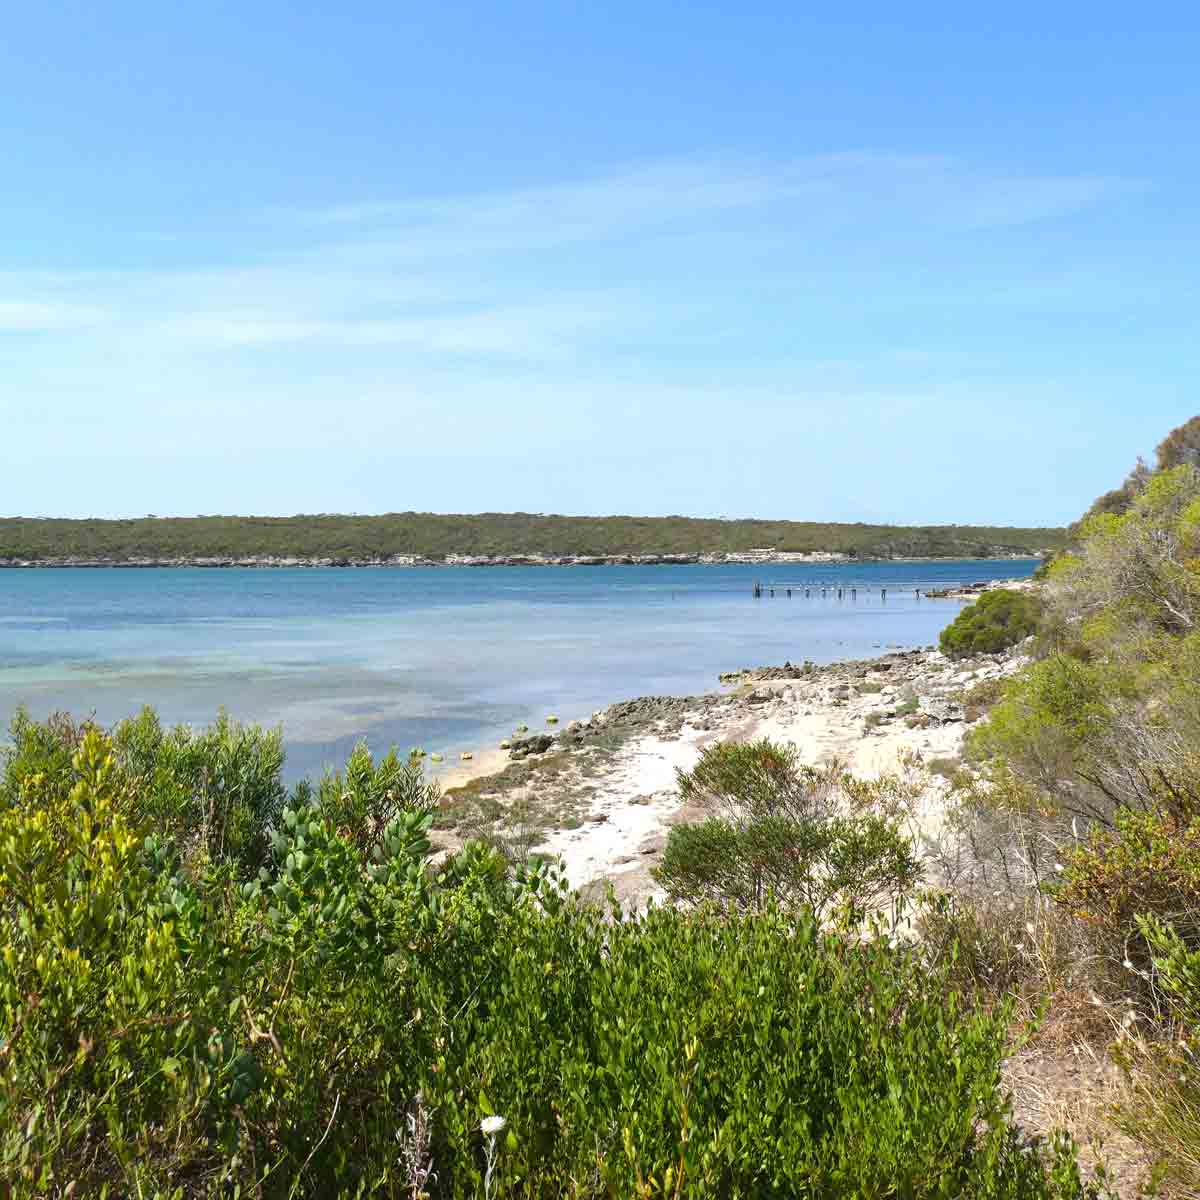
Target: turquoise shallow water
x: 446, y: 658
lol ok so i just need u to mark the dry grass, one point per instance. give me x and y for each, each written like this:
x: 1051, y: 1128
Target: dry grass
x: 1160, y: 1106
x: 982, y: 695
x: 1060, y: 1081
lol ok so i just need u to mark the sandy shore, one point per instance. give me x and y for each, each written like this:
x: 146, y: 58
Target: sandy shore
x: 604, y: 797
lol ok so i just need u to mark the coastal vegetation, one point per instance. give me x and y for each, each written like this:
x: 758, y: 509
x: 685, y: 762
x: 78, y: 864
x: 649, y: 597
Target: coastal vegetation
x: 780, y: 832
x: 208, y: 987
x: 1078, y: 820
x: 433, y: 536
x: 1000, y: 618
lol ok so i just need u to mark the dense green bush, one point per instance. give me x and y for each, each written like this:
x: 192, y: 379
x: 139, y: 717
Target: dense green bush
x: 219, y: 786
x: 1048, y: 730
x: 216, y: 791
x: 341, y: 1022
x: 785, y: 834
x: 365, y: 798
x: 1000, y: 618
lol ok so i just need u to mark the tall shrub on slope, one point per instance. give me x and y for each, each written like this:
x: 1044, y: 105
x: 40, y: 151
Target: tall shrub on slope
x: 1000, y: 618
x: 1136, y: 574
x: 1109, y: 716
x: 1181, y: 446
x: 1095, y: 749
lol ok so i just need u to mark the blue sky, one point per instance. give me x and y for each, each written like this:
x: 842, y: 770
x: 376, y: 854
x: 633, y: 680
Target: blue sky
x: 909, y: 264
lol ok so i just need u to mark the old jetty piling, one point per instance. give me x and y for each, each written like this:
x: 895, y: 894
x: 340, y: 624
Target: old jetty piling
x: 827, y: 589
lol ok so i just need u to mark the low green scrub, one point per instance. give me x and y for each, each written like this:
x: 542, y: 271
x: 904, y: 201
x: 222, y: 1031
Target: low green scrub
x: 945, y: 768
x: 783, y: 833
x: 343, y: 1021
x: 999, y: 619
x: 215, y: 790
x: 1147, y: 864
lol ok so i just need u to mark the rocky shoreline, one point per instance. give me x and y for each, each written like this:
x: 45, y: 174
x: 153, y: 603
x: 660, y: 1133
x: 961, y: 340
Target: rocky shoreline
x: 919, y: 686
x: 601, y: 792
x: 494, y: 560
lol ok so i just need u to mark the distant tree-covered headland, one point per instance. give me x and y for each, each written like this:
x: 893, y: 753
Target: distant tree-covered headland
x: 400, y: 537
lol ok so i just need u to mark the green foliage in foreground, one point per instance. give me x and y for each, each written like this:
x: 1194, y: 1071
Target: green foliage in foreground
x: 340, y: 1022
x: 434, y: 536
x: 999, y: 619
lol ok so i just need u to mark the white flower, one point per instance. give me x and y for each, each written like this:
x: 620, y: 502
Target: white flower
x: 1029, y: 929
x: 490, y: 1126
x: 1127, y: 965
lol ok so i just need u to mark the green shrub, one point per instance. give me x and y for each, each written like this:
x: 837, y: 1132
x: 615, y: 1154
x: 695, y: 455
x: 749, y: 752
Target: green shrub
x: 216, y: 789
x: 1043, y: 570
x: 341, y: 1023
x: 367, y: 796
x: 1050, y: 731
x: 1000, y: 618
x: 785, y: 836
x: 41, y: 751
x: 1147, y: 865
x: 851, y: 864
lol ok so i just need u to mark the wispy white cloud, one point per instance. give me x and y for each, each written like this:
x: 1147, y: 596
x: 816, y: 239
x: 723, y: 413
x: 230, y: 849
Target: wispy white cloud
x: 37, y: 316
x: 516, y: 331
x: 922, y: 190
x: 544, y: 273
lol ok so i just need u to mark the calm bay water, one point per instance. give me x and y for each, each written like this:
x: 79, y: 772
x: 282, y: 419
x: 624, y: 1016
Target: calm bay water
x: 445, y: 658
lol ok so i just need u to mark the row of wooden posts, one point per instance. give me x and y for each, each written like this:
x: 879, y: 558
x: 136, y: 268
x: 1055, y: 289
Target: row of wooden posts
x: 824, y: 589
